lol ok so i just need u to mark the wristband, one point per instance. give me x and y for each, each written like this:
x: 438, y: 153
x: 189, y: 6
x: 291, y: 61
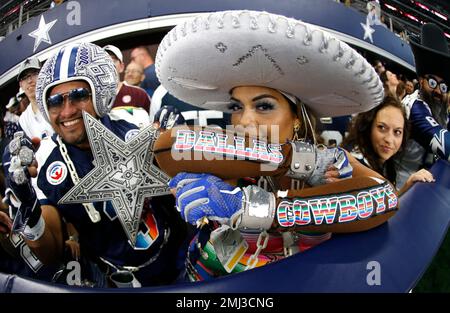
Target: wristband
x: 258, y: 208
x: 35, y: 232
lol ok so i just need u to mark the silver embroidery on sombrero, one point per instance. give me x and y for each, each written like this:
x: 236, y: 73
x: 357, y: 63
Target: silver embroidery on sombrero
x: 258, y: 56
x: 237, y: 48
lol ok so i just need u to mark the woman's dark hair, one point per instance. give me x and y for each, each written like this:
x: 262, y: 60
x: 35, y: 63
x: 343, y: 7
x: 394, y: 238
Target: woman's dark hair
x: 401, y: 90
x: 384, y: 78
x: 360, y: 131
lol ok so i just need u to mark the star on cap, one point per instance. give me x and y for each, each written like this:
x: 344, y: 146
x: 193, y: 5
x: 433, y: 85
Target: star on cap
x: 123, y: 173
x: 368, y: 31
x: 41, y: 33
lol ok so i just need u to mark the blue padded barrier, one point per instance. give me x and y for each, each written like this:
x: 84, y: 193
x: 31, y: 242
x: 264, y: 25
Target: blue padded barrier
x: 403, y: 247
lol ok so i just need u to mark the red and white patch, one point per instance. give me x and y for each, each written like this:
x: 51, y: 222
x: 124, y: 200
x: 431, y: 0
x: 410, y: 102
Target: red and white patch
x: 56, y: 173
x: 126, y: 99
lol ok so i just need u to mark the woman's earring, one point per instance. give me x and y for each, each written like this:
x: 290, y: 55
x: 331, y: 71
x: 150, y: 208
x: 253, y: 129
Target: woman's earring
x: 296, y: 130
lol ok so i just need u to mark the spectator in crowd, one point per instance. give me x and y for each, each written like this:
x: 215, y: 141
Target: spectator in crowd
x: 427, y: 107
x: 378, y: 136
x: 15, y: 107
x: 23, y: 100
x: 401, y: 90
x: 141, y: 55
x: 155, y: 258
x: 129, y: 99
x: 428, y: 113
x: 134, y: 74
x: 11, y: 118
x: 409, y: 87
x: 379, y: 67
x: 31, y: 121
x: 374, y: 15
x: 390, y: 82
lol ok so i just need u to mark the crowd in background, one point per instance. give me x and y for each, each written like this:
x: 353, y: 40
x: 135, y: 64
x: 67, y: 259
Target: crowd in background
x: 390, y: 126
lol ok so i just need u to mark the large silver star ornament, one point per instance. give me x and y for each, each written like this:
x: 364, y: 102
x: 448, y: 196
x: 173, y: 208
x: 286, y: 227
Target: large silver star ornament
x: 368, y: 31
x: 123, y: 173
x: 41, y: 33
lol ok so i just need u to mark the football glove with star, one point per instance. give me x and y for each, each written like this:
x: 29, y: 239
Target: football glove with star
x: 205, y: 195
x: 24, y: 207
x: 169, y: 116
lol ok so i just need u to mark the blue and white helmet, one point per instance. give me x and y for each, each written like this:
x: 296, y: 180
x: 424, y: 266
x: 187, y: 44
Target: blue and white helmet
x: 84, y: 61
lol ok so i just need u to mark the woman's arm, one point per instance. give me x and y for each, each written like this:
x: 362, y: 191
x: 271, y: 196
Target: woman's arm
x: 422, y: 175
x: 350, y: 205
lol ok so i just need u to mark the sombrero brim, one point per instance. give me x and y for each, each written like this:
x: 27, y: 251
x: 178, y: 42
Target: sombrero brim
x: 201, y: 60
x: 429, y: 61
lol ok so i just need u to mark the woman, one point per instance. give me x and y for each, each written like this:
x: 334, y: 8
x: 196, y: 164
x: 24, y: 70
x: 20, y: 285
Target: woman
x: 261, y: 66
x: 386, y: 126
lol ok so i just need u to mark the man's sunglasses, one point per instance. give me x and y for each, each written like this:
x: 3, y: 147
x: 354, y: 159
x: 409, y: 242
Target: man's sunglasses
x: 75, y: 96
x: 433, y: 83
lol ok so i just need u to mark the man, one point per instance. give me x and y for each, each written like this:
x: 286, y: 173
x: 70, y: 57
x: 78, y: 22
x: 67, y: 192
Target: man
x: 62, y: 94
x: 11, y: 118
x: 142, y: 56
x: 134, y: 74
x: 22, y: 102
x: 379, y: 67
x: 409, y: 87
x: 31, y: 121
x: 427, y: 108
x: 129, y: 98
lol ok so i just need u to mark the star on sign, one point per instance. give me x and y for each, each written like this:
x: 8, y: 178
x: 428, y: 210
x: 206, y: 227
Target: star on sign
x: 368, y: 31
x: 41, y: 33
x: 123, y: 173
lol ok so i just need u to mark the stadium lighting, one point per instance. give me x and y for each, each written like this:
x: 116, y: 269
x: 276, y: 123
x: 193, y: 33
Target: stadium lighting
x: 422, y: 6
x: 439, y: 15
x: 412, y: 17
x: 390, y: 7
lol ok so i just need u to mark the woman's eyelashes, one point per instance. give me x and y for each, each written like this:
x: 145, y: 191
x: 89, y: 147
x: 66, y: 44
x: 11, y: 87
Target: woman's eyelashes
x: 262, y: 106
x: 234, y: 107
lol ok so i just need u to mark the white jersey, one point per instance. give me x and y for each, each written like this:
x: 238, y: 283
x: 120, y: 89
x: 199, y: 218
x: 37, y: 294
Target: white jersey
x: 34, y: 124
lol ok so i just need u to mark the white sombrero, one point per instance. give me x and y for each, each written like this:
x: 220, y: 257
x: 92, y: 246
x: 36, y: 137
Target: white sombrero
x: 201, y: 60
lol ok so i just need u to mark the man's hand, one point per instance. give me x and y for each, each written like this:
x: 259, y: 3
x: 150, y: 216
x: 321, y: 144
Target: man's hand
x: 167, y: 117
x: 205, y: 195
x: 20, y: 195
